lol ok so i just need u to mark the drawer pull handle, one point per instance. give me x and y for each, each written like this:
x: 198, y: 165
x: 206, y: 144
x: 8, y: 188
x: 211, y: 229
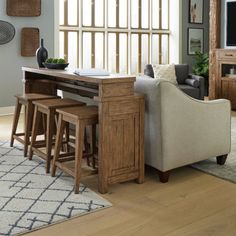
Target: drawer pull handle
x: 228, y: 55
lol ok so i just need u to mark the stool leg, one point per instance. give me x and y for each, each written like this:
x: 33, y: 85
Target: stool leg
x: 87, y: 146
x: 80, y: 128
x: 44, y: 121
x: 50, y: 132
x: 93, y: 144
x: 67, y: 137
x: 34, y: 131
x: 28, y: 126
x: 59, y: 137
x: 15, y: 120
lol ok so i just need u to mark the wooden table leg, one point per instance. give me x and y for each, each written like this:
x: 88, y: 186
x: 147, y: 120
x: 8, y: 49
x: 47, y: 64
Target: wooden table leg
x: 103, y: 161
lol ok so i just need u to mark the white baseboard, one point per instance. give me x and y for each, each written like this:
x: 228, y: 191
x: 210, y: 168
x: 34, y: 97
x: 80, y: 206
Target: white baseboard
x: 5, y: 111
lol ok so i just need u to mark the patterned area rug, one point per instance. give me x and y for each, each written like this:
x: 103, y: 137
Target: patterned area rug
x: 30, y: 199
x: 228, y: 170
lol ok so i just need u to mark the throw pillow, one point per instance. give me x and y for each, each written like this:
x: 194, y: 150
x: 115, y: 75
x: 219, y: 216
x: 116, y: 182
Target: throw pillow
x: 166, y: 72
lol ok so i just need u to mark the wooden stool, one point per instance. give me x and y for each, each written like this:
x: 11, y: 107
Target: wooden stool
x: 80, y: 117
x: 47, y: 107
x: 26, y: 100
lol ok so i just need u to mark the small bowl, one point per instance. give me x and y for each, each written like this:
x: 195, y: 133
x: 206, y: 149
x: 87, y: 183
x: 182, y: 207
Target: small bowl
x: 57, y: 66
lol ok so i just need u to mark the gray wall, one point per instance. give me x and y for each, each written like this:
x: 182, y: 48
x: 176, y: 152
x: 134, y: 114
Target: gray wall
x: 10, y: 59
x: 189, y: 59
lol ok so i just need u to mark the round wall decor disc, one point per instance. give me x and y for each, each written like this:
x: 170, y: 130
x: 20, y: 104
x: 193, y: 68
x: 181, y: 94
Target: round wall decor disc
x: 7, y: 32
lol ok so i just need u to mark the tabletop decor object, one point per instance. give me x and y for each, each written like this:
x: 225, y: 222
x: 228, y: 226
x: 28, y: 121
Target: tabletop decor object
x: 42, y: 54
x: 7, y: 32
x: 55, y: 63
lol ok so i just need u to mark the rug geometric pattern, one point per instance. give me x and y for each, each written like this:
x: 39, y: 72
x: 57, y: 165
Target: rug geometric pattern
x: 31, y: 199
x: 228, y: 170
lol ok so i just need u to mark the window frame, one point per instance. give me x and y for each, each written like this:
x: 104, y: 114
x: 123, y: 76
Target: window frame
x: 150, y: 31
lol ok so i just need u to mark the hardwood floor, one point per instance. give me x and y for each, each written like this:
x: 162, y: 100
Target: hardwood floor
x: 191, y: 203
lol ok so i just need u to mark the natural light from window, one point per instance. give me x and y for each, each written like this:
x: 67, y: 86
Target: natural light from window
x: 121, y: 36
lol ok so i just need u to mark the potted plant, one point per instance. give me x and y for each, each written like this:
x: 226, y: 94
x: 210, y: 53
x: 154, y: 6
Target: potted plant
x: 201, y: 67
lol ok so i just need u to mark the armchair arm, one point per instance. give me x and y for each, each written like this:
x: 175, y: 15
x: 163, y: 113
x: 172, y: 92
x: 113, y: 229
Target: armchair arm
x: 192, y: 82
x: 201, y: 81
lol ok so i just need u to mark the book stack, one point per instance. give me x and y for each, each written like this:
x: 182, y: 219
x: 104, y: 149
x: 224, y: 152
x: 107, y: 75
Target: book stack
x: 91, y: 72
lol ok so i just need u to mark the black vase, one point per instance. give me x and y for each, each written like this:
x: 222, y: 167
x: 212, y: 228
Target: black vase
x: 41, y: 54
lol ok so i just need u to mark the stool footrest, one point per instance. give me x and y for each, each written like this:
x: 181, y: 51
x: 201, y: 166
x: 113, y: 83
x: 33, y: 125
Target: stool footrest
x: 18, y: 134
x: 40, y: 153
x: 67, y: 169
x: 19, y: 139
x: 67, y: 158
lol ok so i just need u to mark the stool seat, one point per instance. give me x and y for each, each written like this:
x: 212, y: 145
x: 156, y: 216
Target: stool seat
x: 80, y: 117
x: 26, y: 100
x: 58, y: 103
x: 34, y: 96
x: 85, y: 112
x: 48, y: 108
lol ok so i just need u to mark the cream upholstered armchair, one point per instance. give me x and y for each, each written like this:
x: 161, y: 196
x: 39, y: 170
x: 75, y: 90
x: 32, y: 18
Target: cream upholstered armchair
x: 180, y: 130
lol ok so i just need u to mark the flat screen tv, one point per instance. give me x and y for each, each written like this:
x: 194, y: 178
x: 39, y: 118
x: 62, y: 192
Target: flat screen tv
x: 230, y: 28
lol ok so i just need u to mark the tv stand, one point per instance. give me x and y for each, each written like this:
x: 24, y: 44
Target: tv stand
x: 225, y: 81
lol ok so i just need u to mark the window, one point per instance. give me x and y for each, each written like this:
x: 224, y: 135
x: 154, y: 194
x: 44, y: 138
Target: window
x: 119, y: 35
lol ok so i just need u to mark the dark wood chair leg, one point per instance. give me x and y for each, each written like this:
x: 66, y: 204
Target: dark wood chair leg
x: 164, y: 176
x: 221, y: 159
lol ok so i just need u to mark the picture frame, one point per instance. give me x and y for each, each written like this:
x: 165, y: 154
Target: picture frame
x: 196, y: 11
x: 195, y: 40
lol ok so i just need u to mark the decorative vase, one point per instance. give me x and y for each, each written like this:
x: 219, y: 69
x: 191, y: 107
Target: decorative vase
x: 41, y: 54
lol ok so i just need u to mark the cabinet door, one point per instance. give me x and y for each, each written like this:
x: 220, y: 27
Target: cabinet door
x: 224, y: 89
x: 232, y: 93
x: 124, y: 122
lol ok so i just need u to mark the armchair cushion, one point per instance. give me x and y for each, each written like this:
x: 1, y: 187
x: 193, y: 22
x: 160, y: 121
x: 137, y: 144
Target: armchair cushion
x: 194, y: 87
x: 182, y: 72
x: 166, y: 72
x: 148, y: 70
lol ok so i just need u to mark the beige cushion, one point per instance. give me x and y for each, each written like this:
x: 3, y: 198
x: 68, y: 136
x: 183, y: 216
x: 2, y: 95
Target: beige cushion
x: 166, y: 72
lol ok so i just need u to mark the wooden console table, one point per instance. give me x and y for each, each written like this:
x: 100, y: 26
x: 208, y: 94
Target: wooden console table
x: 226, y: 83
x: 121, y: 119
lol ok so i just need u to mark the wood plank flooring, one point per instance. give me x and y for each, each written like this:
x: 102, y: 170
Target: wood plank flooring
x: 192, y: 203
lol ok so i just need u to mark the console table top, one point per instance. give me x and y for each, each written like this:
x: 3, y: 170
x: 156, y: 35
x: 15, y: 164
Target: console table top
x: 69, y: 74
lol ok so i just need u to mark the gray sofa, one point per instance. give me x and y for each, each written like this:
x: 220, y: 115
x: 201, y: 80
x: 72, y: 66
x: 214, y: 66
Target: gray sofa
x: 193, y: 85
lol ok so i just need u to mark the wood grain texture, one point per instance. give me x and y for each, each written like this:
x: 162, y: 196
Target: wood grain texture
x: 121, y: 89
x: 225, y: 87
x: 69, y: 74
x: 29, y: 41
x: 120, y: 144
x: 23, y: 7
x: 214, y: 42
